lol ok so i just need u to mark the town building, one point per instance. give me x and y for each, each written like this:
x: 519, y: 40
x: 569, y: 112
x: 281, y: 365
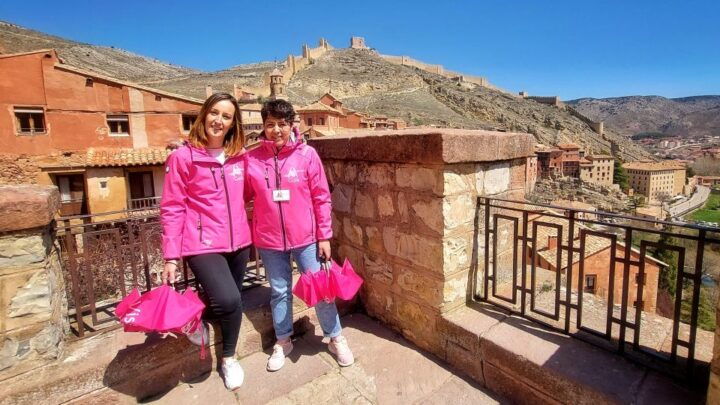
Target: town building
x: 597, y: 169
x: 657, y: 181
x: 595, y: 263
x: 319, y: 119
x: 549, y: 162
x: 100, y: 140
x: 708, y: 181
x: 570, y: 159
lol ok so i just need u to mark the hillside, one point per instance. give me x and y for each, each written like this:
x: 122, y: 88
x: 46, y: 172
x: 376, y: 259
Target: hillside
x: 361, y: 79
x: 105, y: 60
x: 687, y: 116
x: 368, y: 83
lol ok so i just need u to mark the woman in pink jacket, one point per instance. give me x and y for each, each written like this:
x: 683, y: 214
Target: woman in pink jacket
x: 291, y: 217
x: 203, y: 224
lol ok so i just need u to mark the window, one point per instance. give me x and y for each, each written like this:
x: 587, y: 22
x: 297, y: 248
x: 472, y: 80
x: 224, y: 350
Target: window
x: 188, y: 121
x: 590, y: 283
x: 309, y: 122
x: 30, y: 120
x: 321, y: 121
x: 72, y: 194
x: 119, y: 125
x: 141, y: 185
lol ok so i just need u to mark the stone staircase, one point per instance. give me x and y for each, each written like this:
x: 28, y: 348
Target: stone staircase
x: 136, y: 366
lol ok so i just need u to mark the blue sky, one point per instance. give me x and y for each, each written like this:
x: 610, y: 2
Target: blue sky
x: 568, y: 48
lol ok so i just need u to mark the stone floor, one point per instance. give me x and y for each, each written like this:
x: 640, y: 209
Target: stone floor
x: 388, y: 369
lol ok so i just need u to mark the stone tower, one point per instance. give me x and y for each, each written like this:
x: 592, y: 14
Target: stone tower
x: 277, y: 87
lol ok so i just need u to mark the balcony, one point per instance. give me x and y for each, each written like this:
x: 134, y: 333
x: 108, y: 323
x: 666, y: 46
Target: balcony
x: 144, y: 203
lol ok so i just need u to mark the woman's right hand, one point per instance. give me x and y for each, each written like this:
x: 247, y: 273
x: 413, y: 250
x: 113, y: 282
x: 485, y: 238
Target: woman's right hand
x: 168, y: 273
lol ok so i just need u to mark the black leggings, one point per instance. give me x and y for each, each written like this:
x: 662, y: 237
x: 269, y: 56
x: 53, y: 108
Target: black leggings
x: 221, y: 276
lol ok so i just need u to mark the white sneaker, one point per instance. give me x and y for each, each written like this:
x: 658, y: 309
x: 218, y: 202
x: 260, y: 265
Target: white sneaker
x: 339, y: 347
x: 232, y: 373
x: 200, y: 336
x: 277, y: 358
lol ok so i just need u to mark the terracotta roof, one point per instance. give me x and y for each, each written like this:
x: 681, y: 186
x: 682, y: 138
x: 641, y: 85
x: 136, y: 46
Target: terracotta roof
x: 126, y: 157
x: 109, y: 158
x: 593, y: 244
x: 568, y: 146
x: 275, y: 72
x: 319, y: 107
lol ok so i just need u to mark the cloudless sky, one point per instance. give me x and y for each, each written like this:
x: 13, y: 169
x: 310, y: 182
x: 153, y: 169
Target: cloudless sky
x: 573, y: 49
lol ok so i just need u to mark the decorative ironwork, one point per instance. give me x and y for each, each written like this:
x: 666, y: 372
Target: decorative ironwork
x: 104, y: 256
x: 559, y: 246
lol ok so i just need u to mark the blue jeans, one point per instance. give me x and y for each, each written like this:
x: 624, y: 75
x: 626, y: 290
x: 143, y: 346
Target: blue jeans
x: 277, y: 266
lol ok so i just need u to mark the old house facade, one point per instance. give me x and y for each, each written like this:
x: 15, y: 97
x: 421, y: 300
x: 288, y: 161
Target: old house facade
x: 100, y: 140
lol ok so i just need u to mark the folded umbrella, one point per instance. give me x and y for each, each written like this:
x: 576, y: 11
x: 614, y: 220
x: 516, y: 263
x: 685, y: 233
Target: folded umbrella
x: 160, y: 310
x: 327, y: 284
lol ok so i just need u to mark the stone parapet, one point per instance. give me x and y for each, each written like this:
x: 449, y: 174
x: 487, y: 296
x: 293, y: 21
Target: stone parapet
x: 33, y: 309
x: 426, y: 145
x: 27, y: 206
x: 405, y: 210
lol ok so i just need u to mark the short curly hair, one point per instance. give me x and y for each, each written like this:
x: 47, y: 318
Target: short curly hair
x: 278, y: 109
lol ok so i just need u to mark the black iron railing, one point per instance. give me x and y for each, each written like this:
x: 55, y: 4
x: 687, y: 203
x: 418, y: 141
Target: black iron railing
x: 105, y: 256
x: 647, y: 292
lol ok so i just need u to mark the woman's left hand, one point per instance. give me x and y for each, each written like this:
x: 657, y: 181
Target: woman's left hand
x: 324, y: 249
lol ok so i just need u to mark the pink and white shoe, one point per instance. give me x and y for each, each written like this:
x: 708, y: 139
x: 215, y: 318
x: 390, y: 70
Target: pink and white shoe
x: 339, y: 347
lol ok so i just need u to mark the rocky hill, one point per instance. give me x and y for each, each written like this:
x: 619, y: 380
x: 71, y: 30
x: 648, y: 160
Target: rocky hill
x: 696, y: 116
x: 109, y: 61
x: 360, y: 78
x: 368, y: 83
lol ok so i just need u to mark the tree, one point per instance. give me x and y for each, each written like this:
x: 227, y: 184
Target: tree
x: 689, y: 172
x: 619, y: 176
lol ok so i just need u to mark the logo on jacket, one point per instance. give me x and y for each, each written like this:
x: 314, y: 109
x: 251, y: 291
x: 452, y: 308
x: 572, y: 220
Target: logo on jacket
x: 292, y: 175
x: 207, y: 242
x: 237, y: 172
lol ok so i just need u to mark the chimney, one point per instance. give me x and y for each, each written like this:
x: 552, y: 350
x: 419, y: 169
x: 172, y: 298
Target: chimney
x: 208, y: 91
x: 552, y: 242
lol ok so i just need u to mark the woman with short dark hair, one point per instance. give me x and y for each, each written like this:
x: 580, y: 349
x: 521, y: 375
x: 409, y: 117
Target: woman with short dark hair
x: 291, y: 218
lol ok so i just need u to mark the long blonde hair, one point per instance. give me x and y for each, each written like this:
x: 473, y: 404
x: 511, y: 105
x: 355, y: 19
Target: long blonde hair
x: 234, y: 140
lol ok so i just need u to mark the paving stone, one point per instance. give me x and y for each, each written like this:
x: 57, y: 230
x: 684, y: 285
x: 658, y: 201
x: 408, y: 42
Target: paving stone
x: 206, y: 389
x: 459, y: 391
x: 261, y: 386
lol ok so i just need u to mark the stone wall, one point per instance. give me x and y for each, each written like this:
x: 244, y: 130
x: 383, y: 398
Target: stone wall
x: 18, y: 169
x: 32, y: 302
x: 404, y: 212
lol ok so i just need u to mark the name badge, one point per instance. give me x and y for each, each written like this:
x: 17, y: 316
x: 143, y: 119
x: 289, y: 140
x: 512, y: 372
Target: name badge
x: 281, y: 195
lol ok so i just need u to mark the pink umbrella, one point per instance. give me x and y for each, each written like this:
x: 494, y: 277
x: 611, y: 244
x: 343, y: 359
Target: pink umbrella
x: 161, y: 310
x: 334, y: 281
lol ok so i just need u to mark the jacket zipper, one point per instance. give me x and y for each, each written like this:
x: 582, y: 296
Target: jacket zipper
x: 282, y: 219
x: 212, y: 169
x: 227, y: 199
x: 199, y: 227
x: 312, y: 224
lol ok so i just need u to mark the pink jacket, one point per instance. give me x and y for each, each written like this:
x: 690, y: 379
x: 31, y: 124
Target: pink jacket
x: 199, y: 211
x: 306, y: 217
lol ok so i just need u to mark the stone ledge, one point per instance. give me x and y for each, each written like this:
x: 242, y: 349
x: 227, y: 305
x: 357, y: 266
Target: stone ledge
x: 532, y: 364
x: 426, y: 146
x: 27, y: 206
x: 115, y: 359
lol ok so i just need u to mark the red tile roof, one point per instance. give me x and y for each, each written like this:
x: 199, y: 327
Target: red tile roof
x: 108, y: 158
